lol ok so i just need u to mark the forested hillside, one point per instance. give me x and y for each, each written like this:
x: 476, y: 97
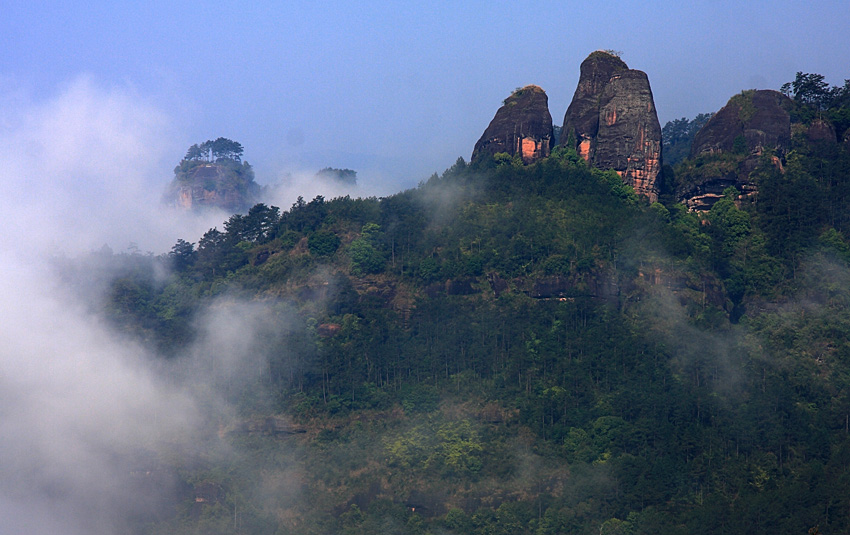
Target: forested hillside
x: 514, y: 348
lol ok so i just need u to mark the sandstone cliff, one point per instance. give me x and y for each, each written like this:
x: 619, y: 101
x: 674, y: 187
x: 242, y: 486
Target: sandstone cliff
x: 522, y: 126
x: 752, y: 121
x: 752, y: 126
x: 227, y: 185
x: 612, y: 122
x: 821, y: 131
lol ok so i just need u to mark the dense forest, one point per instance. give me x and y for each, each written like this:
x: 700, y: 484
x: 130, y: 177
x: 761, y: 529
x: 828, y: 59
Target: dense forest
x: 514, y: 348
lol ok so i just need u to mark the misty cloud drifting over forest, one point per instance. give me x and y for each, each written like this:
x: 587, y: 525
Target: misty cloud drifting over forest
x: 84, y: 410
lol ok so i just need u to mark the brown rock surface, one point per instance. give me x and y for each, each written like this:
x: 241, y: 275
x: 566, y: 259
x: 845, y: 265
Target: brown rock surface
x: 214, y: 185
x: 731, y: 145
x: 522, y: 126
x: 821, y: 130
x: 581, y: 122
x: 612, y: 122
x: 760, y: 118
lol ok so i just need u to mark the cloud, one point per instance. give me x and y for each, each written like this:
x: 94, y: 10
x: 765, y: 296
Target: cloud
x: 79, y: 408
x: 87, y: 416
x: 88, y: 166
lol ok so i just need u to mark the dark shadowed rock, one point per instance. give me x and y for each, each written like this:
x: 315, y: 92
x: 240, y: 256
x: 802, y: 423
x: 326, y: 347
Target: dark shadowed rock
x: 821, y: 130
x: 581, y: 122
x: 522, y: 126
x: 612, y: 122
x: 629, y: 139
x: 752, y: 121
x: 551, y: 287
x: 753, y: 127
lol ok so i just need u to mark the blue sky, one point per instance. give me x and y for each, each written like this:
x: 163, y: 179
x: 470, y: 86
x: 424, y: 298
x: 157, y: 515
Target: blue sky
x: 396, y: 91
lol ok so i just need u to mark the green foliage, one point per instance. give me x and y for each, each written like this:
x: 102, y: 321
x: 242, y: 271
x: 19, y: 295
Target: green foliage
x: 366, y: 258
x: 624, y: 400
x: 505, y: 159
x: 451, y: 449
x: 809, y: 89
x: 323, y: 243
x: 739, y: 145
x: 744, y: 102
x: 677, y: 136
x: 215, y: 150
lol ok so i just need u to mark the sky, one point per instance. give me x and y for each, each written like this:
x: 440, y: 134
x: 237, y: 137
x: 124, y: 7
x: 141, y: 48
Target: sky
x: 395, y: 90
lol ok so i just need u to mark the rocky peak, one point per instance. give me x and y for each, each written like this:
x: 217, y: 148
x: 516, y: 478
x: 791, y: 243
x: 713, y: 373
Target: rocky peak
x: 582, y: 118
x: 731, y: 145
x: 612, y: 122
x: 752, y: 121
x: 522, y: 126
x: 225, y: 183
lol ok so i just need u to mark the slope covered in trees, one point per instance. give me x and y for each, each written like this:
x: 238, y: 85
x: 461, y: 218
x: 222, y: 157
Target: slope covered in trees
x: 520, y: 348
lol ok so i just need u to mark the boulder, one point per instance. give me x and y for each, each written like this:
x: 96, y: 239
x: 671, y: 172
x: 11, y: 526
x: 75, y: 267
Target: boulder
x: 521, y: 127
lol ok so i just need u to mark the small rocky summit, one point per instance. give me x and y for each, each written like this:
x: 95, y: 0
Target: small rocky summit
x: 612, y: 122
x: 731, y: 145
x: 755, y: 121
x: 213, y: 175
x: 522, y: 126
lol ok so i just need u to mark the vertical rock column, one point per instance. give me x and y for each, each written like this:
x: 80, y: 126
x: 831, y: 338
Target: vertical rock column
x: 612, y: 122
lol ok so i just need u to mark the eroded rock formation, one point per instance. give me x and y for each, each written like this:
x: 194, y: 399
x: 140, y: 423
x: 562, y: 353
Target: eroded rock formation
x: 229, y: 186
x: 821, y: 130
x: 752, y: 121
x: 753, y: 125
x: 612, y: 122
x: 522, y: 126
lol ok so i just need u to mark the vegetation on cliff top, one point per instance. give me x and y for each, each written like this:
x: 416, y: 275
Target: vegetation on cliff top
x: 213, y: 174
x: 513, y: 348
x: 518, y: 348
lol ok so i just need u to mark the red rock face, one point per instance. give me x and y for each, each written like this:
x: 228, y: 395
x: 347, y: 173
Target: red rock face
x: 523, y: 127
x: 612, y: 122
x: 212, y: 186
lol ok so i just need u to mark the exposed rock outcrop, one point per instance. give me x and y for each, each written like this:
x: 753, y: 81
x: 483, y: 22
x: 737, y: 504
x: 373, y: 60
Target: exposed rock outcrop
x: 522, y: 126
x: 752, y: 121
x: 821, y: 130
x: 612, y: 122
x: 581, y: 122
x: 226, y: 185
x: 752, y: 126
